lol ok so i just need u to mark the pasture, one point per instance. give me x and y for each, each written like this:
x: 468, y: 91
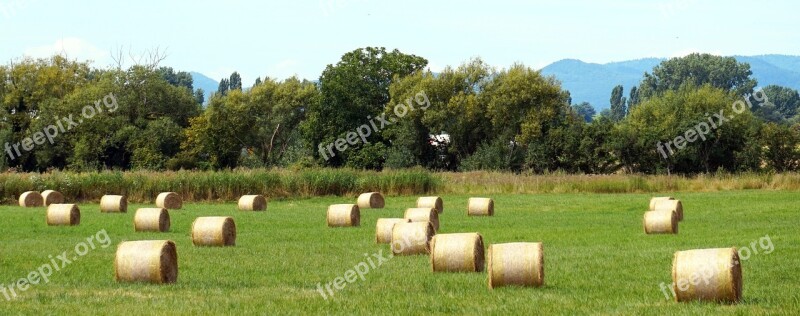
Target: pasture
x: 597, y: 258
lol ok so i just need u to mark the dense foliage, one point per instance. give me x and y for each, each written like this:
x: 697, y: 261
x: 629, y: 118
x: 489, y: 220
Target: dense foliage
x: 377, y: 109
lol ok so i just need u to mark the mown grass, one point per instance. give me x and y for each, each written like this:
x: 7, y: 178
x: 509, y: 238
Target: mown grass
x: 598, y: 261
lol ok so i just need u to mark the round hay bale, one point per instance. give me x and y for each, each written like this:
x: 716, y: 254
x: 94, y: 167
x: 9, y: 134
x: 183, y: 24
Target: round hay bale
x: 52, y: 197
x: 434, y: 202
x: 153, y: 261
x: 457, y: 253
x: 412, y: 238
x: 214, y: 231
x: 654, y: 201
x: 383, y: 229
x: 670, y: 205
x: 31, y: 199
x: 151, y: 220
x: 252, y: 203
x: 660, y: 222
x: 344, y: 215
x: 63, y: 215
x: 114, y: 204
x: 169, y: 200
x: 480, y: 207
x: 371, y: 200
x: 707, y: 275
x: 519, y: 263
x: 423, y: 215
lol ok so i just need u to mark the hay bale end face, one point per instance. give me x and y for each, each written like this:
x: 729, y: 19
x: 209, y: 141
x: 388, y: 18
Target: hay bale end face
x: 412, y: 238
x: 252, y: 203
x: 457, y: 253
x: 661, y: 222
x: 151, y: 220
x: 169, y: 200
x: 383, y: 229
x: 713, y: 275
x: 114, y: 204
x: 214, y: 231
x: 371, y: 200
x: 434, y: 202
x: 517, y: 264
x: 344, y: 215
x: 480, y: 207
x: 152, y: 261
x: 31, y: 199
x: 63, y: 215
x: 670, y: 205
x: 52, y: 197
x: 654, y: 201
x: 425, y: 214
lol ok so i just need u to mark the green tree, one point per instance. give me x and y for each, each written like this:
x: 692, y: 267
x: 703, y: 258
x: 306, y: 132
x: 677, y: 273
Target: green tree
x: 200, y: 96
x: 697, y: 70
x: 585, y: 110
x: 235, y: 82
x: 353, y: 92
x: 224, y: 87
x: 618, y: 109
x: 780, y: 144
x: 663, y: 133
x: 785, y: 100
x: 634, y: 98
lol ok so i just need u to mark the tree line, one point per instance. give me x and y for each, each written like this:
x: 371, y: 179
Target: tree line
x: 477, y: 118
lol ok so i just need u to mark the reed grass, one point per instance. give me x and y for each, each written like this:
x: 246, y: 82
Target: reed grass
x: 228, y: 186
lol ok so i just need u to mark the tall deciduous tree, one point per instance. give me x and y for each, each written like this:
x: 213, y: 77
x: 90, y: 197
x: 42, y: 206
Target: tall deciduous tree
x: 353, y: 92
x: 618, y: 104
x: 697, y: 70
x: 235, y: 82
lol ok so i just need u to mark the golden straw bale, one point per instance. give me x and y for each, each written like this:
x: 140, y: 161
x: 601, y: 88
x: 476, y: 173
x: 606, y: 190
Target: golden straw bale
x: 519, y: 263
x: 153, y: 261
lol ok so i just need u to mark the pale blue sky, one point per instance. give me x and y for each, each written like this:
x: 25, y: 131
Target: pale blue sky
x: 283, y: 38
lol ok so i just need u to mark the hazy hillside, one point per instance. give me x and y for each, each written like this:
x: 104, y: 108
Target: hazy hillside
x: 208, y: 85
x: 593, y: 82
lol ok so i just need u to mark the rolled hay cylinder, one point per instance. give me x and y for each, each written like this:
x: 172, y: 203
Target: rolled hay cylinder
x: 371, y: 200
x: 52, y: 197
x: 214, y: 231
x: 153, y: 261
x: 31, y: 199
x: 151, y: 220
x: 480, y: 207
x: 344, y: 215
x: 383, y: 229
x: 63, y: 215
x: 660, y: 222
x: 517, y: 264
x: 654, y: 201
x: 252, y: 203
x: 670, y: 205
x: 461, y: 252
x: 707, y: 275
x: 412, y: 238
x: 169, y: 200
x: 426, y: 214
x: 114, y: 204
x: 434, y: 202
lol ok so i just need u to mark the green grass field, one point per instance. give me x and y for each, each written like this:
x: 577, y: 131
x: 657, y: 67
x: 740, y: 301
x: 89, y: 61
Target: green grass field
x: 597, y: 259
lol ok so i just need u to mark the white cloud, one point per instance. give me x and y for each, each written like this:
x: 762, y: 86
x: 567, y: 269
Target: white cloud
x: 74, y: 48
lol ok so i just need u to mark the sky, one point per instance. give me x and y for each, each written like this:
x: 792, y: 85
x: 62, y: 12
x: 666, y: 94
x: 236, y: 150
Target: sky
x: 280, y: 39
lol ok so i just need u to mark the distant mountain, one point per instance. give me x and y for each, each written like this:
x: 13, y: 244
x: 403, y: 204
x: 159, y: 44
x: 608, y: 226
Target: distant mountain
x: 208, y: 85
x: 593, y: 83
